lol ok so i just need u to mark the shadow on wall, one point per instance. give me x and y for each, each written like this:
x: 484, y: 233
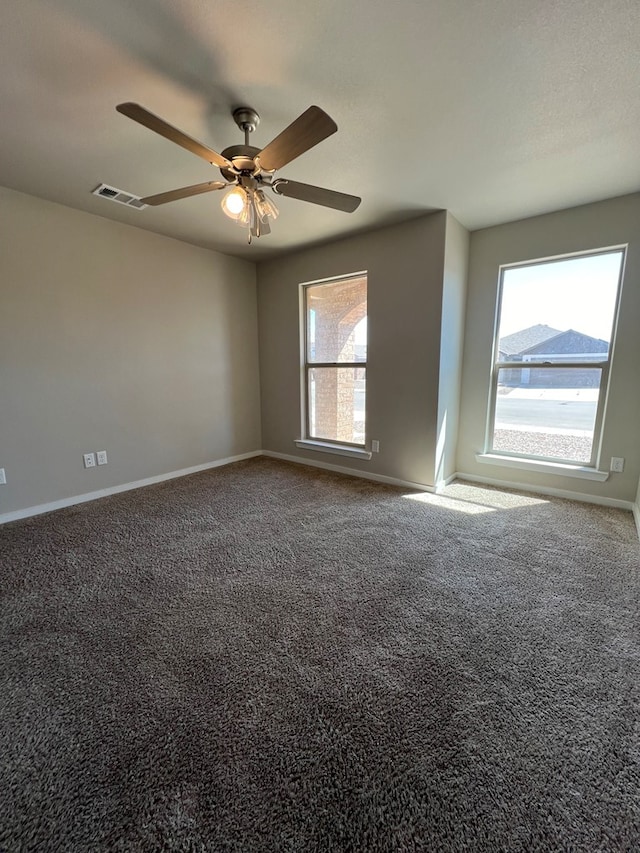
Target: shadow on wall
x: 236, y: 374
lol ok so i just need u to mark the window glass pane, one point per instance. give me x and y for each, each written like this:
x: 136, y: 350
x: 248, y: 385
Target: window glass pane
x: 547, y: 412
x: 559, y: 311
x: 336, y: 317
x: 337, y: 403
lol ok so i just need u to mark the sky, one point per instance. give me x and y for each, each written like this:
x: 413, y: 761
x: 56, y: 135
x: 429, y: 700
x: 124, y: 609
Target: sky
x: 574, y: 293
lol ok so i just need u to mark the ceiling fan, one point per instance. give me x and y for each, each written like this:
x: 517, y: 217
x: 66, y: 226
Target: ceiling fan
x: 248, y: 171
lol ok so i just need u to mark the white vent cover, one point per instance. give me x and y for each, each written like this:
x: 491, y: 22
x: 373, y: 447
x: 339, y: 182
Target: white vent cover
x: 114, y: 194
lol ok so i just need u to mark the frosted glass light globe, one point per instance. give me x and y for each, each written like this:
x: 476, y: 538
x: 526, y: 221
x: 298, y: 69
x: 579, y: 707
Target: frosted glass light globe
x: 234, y: 202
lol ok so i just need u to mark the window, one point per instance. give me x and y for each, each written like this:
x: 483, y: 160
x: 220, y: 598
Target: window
x: 552, y: 355
x: 335, y: 362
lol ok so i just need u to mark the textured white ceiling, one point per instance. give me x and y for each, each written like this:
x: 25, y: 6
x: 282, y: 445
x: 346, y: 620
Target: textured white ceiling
x: 493, y: 109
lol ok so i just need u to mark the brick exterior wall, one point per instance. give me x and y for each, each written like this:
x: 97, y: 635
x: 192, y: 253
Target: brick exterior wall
x: 339, y: 307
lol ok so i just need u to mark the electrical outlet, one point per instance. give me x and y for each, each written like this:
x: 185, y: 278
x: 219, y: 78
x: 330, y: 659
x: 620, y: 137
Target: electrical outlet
x: 89, y: 460
x: 3, y: 477
x: 101, y: 456
x: 617, y: 464
x: 375, y: 446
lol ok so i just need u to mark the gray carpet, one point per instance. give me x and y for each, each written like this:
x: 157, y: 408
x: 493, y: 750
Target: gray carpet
x: 265, y: 657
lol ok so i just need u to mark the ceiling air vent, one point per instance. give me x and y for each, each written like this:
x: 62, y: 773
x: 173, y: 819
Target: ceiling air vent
x: 114, y: 194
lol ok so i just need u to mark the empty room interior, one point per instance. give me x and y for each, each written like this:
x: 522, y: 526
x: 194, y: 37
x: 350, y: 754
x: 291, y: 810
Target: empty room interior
x: 319, y: 426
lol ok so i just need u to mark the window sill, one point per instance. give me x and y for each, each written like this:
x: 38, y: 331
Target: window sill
x: 563, y: 469
x: 337, y: 449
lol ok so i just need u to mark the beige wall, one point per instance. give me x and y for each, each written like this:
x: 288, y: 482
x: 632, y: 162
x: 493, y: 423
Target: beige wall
x: 405, y: 272
x: 114, y: 338
x: 117, y: 339
x: 594, y: 226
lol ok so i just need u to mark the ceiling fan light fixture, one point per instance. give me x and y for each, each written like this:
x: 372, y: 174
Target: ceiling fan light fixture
x: 235, y: 203
x: 246, y: 215
x: 247, y: 170
x: 265, y: 207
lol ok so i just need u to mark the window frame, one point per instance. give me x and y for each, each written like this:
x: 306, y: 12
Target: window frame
x: 307, y: 365
x: 604, y: 365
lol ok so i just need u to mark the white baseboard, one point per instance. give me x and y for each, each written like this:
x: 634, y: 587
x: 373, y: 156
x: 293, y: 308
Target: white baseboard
x: 636, y: 514
x: 124, y: 487
x: 543, y: 490
x: 351, y: 472
x: 442, y: 484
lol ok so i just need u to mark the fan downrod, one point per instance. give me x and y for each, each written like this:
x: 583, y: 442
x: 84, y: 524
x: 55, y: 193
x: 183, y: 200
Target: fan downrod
x: 242, y: 156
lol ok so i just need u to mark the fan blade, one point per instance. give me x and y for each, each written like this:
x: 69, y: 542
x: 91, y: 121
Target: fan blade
x: 316, y: 195
x: 185, y: 192
x: 307, y: 130
x: 144, y: 117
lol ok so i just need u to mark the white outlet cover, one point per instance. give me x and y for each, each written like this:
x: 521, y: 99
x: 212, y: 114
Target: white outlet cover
x: 3, y: 477
x: 101, y: 456
x: 617, y: 464
x: 89, y: 460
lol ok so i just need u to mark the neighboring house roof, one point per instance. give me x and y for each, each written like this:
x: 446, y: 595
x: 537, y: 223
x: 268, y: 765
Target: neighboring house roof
x: 566, y: 343
x: 522, y: 341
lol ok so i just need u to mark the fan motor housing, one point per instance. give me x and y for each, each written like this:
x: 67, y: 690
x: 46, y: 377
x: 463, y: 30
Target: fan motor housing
x: 242, y: 157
